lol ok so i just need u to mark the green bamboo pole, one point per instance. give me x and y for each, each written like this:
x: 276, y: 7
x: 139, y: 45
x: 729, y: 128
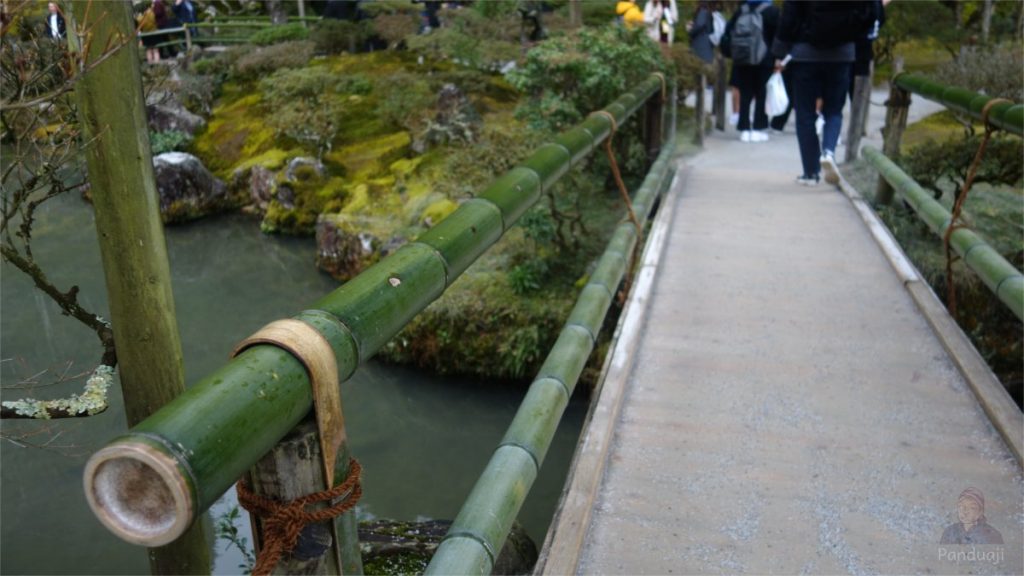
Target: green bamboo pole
x: 1006, y: 115
x: 483, y: 524
x: 193, y: 450
x: 1005, y: 281
x: 134, y: 253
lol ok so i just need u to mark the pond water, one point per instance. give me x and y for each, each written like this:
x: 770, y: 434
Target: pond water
x: 422, y: 440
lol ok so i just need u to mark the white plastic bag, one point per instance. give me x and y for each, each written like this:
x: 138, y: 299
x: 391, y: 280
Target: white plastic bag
x: 777, y: 101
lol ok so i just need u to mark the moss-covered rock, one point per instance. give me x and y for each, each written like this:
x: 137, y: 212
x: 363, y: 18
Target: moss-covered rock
x: 347, y: 245
x: 371, y: 157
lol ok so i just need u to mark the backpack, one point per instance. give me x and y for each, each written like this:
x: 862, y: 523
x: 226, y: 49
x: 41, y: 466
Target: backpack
x: 717, y: 27
x: 831, y: 23
x: 747, y: 39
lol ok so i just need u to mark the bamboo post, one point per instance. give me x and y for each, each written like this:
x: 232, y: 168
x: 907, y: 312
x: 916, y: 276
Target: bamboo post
x: 858, y: 112
x: 653, y: 126
x: 291, y: 470
x: 721, y: 88
x: 699, y: 113
x: 113, y: 119
x: 302, y: 13
x: 191, y: 451
x: 898, y: 108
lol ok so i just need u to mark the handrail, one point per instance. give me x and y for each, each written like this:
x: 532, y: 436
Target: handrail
x: 479, y: 531
x: 1004, y: 115
x: 995, y: 271
x: 193, y: 449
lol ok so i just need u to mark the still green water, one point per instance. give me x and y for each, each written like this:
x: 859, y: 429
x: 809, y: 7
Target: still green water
x: 422, y: 440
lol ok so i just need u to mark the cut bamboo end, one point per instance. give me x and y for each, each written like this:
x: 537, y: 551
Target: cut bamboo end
x: 138, y: 493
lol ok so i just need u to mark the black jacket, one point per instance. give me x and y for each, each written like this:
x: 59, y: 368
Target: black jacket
x: 61, y: 31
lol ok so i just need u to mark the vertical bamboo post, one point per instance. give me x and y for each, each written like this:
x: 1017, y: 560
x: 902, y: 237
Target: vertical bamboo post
x: 113, y: 118
x: 653, y: 127
x: 293, y: 469
x: 898, y: 107
x: 302, y: 13
x: 858, y: 110
x: 718, y: 98
x: 867, y: 100
x: 699, y: 113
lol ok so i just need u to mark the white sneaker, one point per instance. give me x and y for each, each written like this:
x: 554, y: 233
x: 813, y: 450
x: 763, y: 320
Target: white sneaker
x: 759, y: 136
x: 734, y: 118
x: 819, y: 125
x: 828, y: 167
x: 806, y: 180
x: 746, y: 136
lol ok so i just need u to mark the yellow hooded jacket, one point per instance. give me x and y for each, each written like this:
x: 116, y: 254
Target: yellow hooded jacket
x: 631, y: 14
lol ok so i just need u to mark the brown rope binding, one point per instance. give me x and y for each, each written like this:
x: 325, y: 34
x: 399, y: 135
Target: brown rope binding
x: 955, y: 221
x: 283, y: 521
x: 624, y: 194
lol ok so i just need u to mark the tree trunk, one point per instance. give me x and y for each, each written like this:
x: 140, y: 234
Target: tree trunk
x: 278, y: 14
x: 131, y: 236
x: 721, y: 87
x: 575, y: 13
x: 986, y: 19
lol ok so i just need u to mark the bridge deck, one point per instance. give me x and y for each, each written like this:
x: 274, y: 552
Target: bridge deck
x: 788, y: 409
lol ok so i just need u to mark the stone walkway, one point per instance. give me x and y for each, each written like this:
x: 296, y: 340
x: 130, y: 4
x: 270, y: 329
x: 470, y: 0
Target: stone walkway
x: 788, y: 409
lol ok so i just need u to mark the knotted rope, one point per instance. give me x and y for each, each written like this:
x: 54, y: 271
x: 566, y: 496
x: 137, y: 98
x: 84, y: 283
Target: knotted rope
x: 955, y: 222
x: 624, y: 194
x: 282, y: 522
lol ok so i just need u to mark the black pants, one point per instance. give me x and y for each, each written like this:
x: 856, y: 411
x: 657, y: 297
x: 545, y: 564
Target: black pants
x: 751, y: 81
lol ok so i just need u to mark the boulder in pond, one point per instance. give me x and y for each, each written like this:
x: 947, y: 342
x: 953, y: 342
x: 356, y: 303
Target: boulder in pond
x: 347, y: 245
x: 187, y: 190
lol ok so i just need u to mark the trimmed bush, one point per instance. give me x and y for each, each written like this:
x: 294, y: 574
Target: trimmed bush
x: 278, y: 34
x: 266, y: 60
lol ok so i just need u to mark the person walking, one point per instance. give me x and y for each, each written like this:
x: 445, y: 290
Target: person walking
x: 55, y: 27
x: 700, y: 29
x: 747, y: 40
x: 818, y: 38
x: 661, y: 17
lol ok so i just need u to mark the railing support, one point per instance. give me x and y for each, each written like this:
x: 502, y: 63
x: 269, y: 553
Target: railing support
x: 292, y: 469
x: 654, y: 127
x: 861, y: 102
x: 718, y: 98
x: 898, y: 109
x: 699, y: 114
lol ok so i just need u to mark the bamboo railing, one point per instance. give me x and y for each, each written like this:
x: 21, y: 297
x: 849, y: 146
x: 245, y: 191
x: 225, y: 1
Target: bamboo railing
x: 1005, y: 116
x: 1005, y: 281
x: 483, y: 524
x: 150, y: 484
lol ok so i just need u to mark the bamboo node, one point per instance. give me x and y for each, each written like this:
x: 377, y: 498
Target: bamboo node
x: 283, y: 521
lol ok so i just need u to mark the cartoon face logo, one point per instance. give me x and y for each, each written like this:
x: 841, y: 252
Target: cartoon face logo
x: 972, y: 527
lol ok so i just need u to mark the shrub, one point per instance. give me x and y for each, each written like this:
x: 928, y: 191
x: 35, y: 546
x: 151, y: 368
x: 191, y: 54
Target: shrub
x: 997, y: 71
x: 306, y: 106
x: 264, y: 61
x: 278, y: 34
x: 570, y: 76
x: 336, y: 36
x: 169, y: 141
x: 405, y: 100
x: 472, y: 39
x: 934, y: 163
x: 394, y: 28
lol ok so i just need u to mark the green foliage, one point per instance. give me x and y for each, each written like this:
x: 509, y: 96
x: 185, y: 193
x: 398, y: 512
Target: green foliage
x: 169, y: 141
x: 521, y: 351
x: 934, y: 163
x: 997, y: 71
x: 395, y: 28
x: 336, y: 36
x: 570, y: 76
x: 306, y: 105
x: 472, y: 39
x: 405, y: 100
x: 264, y: 61
x: 226, y: 528
x: 281, y: 33
x: 497, y: 150
x: 528, y: 276
x: 920, y: 20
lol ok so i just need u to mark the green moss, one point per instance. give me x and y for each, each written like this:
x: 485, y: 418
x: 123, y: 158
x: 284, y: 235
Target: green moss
x: 273, y: 159
x: 371, y: 157
x: 235, y: 133
x: 439, y: 210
